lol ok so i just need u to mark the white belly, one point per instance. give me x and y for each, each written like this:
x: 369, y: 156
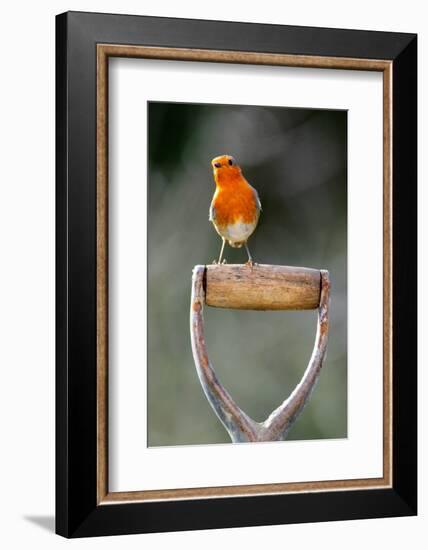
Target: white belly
x: 238, y: 233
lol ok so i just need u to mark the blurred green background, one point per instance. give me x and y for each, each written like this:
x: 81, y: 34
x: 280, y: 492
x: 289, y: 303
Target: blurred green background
x: 297, y: 161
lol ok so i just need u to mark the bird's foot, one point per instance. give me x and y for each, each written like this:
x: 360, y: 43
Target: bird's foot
x: 224, y: 261
x: 250, y: 263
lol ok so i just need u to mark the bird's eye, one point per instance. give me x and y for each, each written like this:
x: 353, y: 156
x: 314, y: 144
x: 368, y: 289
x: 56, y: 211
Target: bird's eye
x: 217, y: 164
x: 231, y: 163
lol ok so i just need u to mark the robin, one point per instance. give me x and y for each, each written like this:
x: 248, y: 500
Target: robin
x: 235, y: 208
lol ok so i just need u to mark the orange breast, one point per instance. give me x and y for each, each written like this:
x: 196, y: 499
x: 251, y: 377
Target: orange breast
x: 234, y: 203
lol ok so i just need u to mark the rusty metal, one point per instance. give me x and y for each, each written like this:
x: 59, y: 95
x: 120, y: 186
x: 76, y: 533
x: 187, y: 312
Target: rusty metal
x: 239, y: 425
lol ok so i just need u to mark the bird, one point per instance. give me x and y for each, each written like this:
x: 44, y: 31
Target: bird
x: 235, y: 207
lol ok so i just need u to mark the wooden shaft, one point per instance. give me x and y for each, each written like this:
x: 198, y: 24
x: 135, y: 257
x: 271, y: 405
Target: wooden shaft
x: 238, y: 424
x: 262, y: 287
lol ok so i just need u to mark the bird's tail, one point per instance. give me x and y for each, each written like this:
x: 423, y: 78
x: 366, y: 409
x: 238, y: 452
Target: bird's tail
x: 236, y: 245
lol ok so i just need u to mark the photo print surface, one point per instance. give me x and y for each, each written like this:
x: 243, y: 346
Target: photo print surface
x: 296, y: 160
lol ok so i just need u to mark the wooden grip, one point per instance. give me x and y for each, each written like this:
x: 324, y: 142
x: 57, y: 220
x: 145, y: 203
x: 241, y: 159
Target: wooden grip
x: 262, y: 287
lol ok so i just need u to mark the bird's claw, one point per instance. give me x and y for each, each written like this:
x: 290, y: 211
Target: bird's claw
x: 224, y: 261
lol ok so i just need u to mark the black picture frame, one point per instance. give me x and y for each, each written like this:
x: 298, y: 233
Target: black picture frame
x: 77, y: 512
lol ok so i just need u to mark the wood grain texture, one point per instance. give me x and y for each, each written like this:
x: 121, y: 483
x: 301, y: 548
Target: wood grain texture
x: 258, y: 58
x: 241, y: 427
x: 112, y: 49
x: 262, y: 287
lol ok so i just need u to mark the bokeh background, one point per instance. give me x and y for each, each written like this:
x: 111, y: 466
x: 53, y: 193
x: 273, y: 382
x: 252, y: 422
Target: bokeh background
x: 297, y: 161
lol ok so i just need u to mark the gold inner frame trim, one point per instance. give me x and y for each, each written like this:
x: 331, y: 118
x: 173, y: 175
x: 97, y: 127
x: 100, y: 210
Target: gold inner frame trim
x: 104, y: 51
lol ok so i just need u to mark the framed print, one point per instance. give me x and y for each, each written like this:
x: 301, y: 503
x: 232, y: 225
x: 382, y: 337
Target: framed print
x: 264, y: 178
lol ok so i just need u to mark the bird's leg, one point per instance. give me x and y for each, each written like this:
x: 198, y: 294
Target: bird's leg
x: 250, y: 259
x: 221, y: 251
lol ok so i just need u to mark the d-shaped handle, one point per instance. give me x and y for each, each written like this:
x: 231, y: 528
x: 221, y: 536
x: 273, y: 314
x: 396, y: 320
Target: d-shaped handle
x: 262, y: 287
x: 258, y: 287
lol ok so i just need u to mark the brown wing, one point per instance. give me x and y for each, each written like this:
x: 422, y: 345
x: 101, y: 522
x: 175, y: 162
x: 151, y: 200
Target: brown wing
x: 212, y: 213
x: 258, y: 203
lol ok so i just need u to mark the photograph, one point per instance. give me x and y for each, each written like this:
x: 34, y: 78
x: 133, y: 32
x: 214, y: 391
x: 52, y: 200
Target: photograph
x: 212, y: 275
x: 236, y: 256
x: 255, y: 186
